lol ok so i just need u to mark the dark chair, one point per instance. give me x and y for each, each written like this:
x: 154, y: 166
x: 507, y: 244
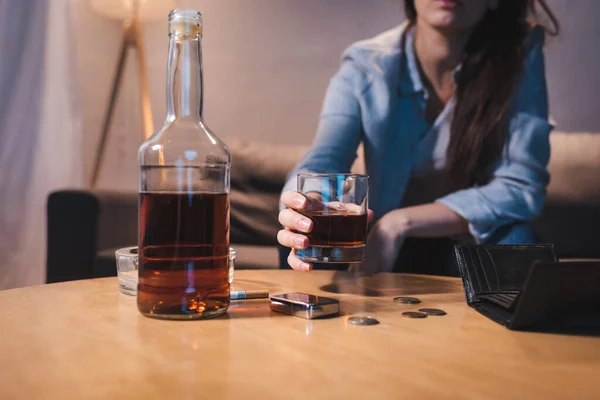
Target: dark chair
x: 84, y: 229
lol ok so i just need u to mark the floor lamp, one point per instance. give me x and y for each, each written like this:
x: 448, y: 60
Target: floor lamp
x: 133, y: 13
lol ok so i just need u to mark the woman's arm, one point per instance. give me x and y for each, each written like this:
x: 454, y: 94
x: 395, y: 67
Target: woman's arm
x: 340, y: 127
x: 388, y: 234
x: 430, y: 220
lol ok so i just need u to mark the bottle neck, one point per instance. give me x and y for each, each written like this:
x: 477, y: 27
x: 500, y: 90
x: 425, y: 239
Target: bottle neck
x: 185, y: 79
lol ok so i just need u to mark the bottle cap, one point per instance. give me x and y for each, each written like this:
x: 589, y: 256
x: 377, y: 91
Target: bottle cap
x: 185, y: 23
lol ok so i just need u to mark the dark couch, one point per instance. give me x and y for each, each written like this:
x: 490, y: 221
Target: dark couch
x: 85, y: 227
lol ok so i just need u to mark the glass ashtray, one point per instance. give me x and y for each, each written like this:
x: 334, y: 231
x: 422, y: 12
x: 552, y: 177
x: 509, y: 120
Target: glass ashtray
x: 127, y: 269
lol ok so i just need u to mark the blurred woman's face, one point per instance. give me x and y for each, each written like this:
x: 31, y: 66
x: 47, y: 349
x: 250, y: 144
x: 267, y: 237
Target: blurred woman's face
x: 453, y: 15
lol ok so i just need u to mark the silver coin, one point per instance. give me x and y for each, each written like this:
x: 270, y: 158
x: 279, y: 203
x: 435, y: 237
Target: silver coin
x: 362, y: 321
x: 414, y: 314
x: 433, y: 311
x: 407, y: 300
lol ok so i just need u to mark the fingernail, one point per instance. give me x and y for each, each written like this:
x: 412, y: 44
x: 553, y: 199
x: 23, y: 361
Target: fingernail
x: 299, y: 201
x: 299, y: 241
x: 304, y: 224
x: 305, y: 266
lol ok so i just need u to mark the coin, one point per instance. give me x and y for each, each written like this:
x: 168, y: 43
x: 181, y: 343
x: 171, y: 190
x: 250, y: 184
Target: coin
x: 407, y: 300
x: 433, y: 311
x: 360, y: 320
x: 414, y: 314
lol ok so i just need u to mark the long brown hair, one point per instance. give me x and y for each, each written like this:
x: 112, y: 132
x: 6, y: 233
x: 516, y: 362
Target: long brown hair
x: 491, y: 71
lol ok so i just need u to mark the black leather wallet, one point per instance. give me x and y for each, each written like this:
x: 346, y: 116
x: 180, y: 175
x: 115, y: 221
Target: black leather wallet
x: 524, y: 287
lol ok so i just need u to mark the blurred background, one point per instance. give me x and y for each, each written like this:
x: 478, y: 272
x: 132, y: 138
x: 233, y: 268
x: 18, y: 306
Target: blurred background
x: 267, y: 64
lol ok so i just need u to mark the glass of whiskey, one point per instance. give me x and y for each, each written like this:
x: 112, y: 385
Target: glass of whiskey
x: 338, y: 207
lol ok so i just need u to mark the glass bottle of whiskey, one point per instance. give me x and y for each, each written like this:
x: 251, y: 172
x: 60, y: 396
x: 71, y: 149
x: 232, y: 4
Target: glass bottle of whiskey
x: 184, y: 194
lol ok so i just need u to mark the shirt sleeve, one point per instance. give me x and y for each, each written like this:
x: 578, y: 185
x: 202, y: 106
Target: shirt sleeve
x: 340, y: 127
x: 517, y: 190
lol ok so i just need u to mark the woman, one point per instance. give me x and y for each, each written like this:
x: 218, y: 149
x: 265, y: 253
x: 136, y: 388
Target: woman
x: 452, y: 110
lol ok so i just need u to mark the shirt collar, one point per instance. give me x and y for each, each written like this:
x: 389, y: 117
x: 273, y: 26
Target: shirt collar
x: 410, y: 82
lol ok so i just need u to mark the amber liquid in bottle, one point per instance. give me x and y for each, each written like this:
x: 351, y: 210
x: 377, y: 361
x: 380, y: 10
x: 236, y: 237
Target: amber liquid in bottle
x: 184, y: 253
x: 184, y: 195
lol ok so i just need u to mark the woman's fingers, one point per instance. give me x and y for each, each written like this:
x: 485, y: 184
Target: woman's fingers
x: 370, y: 216
x: 298, y: 264
x: 293, y: 240
x: 293, y: 200
x: 295, y: 221
x: 302, y: 201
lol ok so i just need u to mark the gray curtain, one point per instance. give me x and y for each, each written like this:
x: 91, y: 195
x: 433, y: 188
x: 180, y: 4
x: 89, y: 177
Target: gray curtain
x: 39, y: 145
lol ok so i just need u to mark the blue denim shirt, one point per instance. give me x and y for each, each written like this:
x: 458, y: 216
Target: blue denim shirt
x: 378, y: 98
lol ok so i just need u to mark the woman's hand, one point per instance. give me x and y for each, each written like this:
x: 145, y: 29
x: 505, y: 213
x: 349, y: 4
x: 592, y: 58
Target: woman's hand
x: 384, y: 243
x: 294, y: 222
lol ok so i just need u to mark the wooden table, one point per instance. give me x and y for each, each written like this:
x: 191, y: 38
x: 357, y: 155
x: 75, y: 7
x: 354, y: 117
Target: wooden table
x: 84, y: 339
